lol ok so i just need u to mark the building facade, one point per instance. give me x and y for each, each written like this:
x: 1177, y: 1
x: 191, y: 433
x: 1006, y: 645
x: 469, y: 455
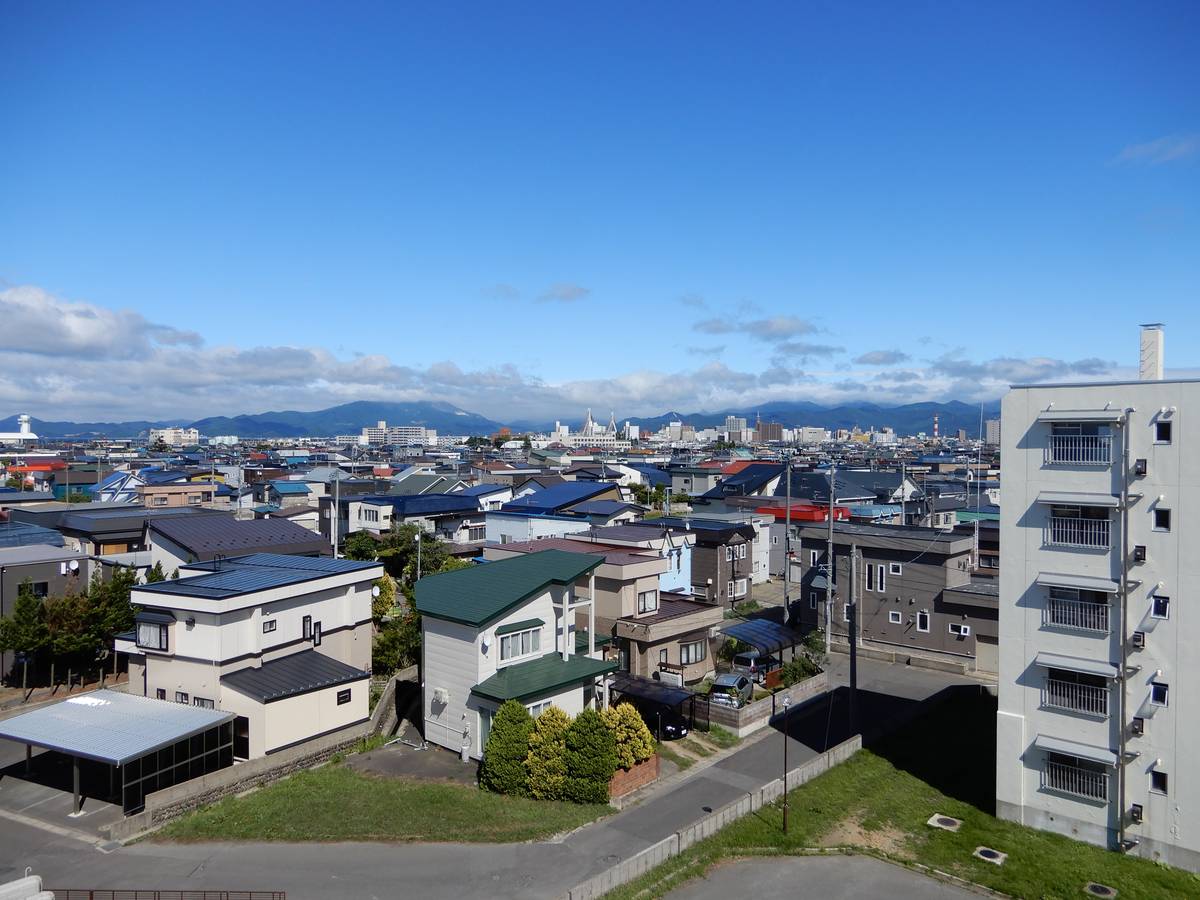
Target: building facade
x: 1097, y: 707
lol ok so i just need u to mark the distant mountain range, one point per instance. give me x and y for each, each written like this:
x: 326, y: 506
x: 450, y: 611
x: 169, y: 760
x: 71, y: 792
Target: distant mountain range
x: 350, y: 418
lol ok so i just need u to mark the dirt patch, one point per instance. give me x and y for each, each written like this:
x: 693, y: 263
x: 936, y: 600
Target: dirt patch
x: 850, y: 833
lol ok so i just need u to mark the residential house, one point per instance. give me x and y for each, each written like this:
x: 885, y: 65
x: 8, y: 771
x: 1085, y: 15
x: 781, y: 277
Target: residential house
x: 181, y: 493
x: 673, y: 546
x: 179, y: 541
x: 504, y: 631
x: 454, y: 517
x: 100, y: 529
x: 490, y: 496
x: 722, y: 556
x: 502, y: 526
x: 282, y: 641
x: 694, y: 480
x: 52, y: 571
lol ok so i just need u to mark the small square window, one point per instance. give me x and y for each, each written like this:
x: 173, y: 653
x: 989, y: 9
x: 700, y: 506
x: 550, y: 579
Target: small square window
x: 1159, y: 693
x: 181, y: 697
x: 1161, y: 608
x: 1162, y: 520
x: 923, y: 621
x: 1158, y: 781
x: 268, y: 626
x: 1162, y: 432
x: 160, y: 693
x: 343, y: 697
x: 895, y: 569
x: 895, y: 617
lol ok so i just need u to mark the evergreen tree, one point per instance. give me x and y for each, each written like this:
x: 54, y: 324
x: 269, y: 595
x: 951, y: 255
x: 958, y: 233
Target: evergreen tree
x: 155, y: 573
x: 24, y: 629
x: 70, y: 628
x: 545, y: 762
x: 383, y: 604
x: 360, y: 546
x: 503, y: 769
x: 591, y: 759
x: 634, y: 743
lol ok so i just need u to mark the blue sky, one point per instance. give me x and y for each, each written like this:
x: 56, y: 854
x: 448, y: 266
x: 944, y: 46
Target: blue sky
x: 529, y: 208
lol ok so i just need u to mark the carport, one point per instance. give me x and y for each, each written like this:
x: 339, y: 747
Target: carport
x: 626, y: 685
x: 141, y: 744
x: 765, y: 635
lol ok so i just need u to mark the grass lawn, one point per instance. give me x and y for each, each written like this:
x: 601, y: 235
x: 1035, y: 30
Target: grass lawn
x: 879, y: 802
x: 679, y: 759
x: 722, y: 737
x: 335, y: 803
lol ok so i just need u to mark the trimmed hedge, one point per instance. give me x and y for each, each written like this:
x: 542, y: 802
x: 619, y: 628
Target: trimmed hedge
x: 503, y: 768
x: 634, y: 743
x: 591, y: 759
x: 546, y: 762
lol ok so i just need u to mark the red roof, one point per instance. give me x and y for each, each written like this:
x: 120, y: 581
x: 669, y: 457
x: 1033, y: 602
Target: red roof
x: 806, y: 512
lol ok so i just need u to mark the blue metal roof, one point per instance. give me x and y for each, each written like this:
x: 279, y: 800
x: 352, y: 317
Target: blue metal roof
x: 746, y: 482
x: 653, y: 474
x: 256, y: 572
x: 289, y: 487
x: 558, y: 496
x: 601, y: 507
x: 425, y: 504
x: 482, y: 490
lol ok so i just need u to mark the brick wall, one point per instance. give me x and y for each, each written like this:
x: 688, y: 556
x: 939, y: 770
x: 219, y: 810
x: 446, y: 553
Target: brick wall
x: 639, y: 776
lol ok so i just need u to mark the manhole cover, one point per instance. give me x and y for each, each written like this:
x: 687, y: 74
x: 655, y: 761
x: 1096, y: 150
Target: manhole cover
x: 987, y: 854
x: 946, y: 823
x: 1099, y: 890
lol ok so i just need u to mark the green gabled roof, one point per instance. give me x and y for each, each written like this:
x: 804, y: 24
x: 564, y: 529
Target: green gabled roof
x: 581, y: 640
x: 541, y: 676
x: 484, y: 592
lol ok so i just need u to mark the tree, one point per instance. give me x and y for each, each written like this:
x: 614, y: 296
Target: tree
x: 383, y: 604
x: 160, y: 446
x: 591, y: 759
x: 155, y: 573
x: 361, y: 546
x: 797, y: 669
x: 69, y: 626
x: 15, y: 482
x: 112, y: 613
x: 545, y: 761
x: 503, y: 769
x: 24, y: 630
x: 78, y: 497
x: 634, y: 743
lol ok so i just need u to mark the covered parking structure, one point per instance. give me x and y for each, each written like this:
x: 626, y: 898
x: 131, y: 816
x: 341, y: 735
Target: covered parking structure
x: 766, y: 636
x: 140, y: 745
x: 686, y: 703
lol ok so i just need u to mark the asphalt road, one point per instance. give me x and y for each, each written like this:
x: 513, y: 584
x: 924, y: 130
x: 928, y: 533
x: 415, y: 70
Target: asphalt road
x: 465, y: 872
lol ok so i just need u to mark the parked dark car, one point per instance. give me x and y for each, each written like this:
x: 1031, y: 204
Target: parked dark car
x: 665, y: 722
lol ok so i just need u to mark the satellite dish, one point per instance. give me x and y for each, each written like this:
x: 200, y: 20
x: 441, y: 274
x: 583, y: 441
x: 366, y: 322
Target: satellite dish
x: 74, y: 565
x: 375, y: 591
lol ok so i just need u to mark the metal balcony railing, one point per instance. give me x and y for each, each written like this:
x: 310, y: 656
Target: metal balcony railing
x: 1090, y: 534
x: 1079, y: 450
x: 1081, y: 698
x: 1076, y: 781
x: 1077, y: 614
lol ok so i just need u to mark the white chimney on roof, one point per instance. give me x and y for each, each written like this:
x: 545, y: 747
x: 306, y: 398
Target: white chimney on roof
x: 1151, y: 367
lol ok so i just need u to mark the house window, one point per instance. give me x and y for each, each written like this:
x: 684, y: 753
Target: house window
x: 41, y: 589
x: 306, y: 625
x: 775, y: 540
x: 923, y: 621
x: 1162, y: 520
x: 268, y: 626
x: 203, y: 703
x: 663, y: 656
x: 729, y: 590
x: 647, y: 601
x: 845, y: 612
x: 895, y: 617
x: 181, y: 697
x: 813, y: 556
x: 739, y: 588
x: 316, y: 634
x: 160, y: 693
x: 882, y: 579
x: 1158, y: 781
x: 1162, y: 432
x: 812, y: 599
x: 895, y: 569
x: 194, y: 499
x: 536, y: 709
x: 959, y: 630
x: 728, y: 553
x: 1162, y: 608
x: 152, y: 636
x: 742, y: 550
x: 696, y: 651
x: 1159, y: 693
x: 870, y: 578
x: 520, y: 643
x: 343, y: 697
x: 160, y: 500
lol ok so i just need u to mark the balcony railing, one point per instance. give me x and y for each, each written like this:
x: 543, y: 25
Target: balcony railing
x: 1079, y: 450
x: 1090, y: 534
x: 1078, y: 782
x: 1080, y: 698
x: 1077, y: 614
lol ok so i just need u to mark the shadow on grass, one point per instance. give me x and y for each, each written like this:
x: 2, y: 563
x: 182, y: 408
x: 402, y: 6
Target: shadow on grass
x: 951, y: 745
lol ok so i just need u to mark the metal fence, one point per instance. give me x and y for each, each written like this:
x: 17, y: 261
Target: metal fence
x: 1068, y: 695
x: 1079, y: 450
x: 1078, y: 614
x: 1092, y: 534
x: 1075, y: 780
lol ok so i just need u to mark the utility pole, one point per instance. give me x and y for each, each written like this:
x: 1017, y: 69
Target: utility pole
x: 903, y: 493
x: 830, y: 568
x: 787, y: 542
x: 337, y: 506
x: 853, y: 617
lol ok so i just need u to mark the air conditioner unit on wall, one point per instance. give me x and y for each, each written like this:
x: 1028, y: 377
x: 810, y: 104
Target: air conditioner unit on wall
x: 1138, y: 640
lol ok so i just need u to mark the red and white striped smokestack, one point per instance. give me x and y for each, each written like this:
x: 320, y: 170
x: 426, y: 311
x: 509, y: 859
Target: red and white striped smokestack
x: 935, y: 426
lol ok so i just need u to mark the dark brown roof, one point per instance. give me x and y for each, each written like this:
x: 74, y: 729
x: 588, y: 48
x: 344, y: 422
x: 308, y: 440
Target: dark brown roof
x: 206, y: 537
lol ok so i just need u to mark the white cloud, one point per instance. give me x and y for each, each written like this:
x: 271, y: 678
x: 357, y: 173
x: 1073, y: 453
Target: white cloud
x: 564, y: 292
x: 773, y: 328
x: 881, y: 358
x: 1173, y: 148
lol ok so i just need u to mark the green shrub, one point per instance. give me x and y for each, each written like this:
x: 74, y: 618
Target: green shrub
x: 546, y: 762
x: 634, y: 742
x: 503, y: 769
x: 797, y: 670
x: 591, y: 759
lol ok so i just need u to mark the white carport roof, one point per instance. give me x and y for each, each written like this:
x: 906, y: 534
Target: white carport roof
x: 109, y: 726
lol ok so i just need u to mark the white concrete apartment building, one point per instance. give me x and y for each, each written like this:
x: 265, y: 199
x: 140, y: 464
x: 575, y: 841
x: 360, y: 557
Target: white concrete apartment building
x: 176, y: 436
x: 1099, y: 682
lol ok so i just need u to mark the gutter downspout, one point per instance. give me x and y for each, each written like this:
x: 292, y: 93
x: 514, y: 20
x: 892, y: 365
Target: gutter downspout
x: 1124, y: 633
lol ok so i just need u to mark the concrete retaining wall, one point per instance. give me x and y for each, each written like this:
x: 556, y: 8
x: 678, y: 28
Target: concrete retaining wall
x: 754, y: 716
x: 171, y: 803
x: 656, y: 854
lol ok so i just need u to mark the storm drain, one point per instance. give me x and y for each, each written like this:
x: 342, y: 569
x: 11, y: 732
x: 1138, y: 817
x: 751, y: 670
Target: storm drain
x: 946, y: 823
x: 987, y: 854
x: 1099, y: 890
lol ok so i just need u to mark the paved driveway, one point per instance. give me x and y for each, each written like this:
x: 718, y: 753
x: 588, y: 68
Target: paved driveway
x: 824, y: 877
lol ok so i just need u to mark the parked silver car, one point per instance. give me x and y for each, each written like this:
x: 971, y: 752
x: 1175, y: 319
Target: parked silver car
x: 732, y: 689
x: 754, y: 665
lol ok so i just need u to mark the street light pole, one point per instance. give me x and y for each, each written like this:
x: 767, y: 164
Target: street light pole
x: 417, y: 540
x: 787, y: 708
